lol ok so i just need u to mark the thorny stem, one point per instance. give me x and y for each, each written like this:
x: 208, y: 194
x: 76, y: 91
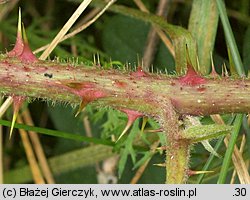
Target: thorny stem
x: 66, y: 83
x: 155, y: 95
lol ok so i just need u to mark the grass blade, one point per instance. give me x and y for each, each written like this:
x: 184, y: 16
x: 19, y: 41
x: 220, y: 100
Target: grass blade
x: 209, y: 160
x: 58, y: 133
x: 65, y: 28
x: 240, y: 70
x: 65, y: 135
x: 230, y: 38
x: 229, y: 152
x: 204, y: 14
x: 211, y: 157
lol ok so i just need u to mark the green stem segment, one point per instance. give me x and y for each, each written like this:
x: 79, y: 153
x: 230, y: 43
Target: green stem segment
x: 146, y: 93
x: 177, y: 162
x: 177, y: 154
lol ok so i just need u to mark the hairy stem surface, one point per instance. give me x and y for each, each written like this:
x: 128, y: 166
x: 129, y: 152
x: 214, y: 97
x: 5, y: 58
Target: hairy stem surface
x: 136, y: 93
x: 140, y: 91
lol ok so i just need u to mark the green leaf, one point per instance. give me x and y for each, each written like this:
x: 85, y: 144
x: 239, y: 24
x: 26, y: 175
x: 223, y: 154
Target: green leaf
x: 132, y: 43
x: 209, y: 148
x: 127, y: 34
x: 115, y: 122
x: 205, y: 132
x: 204, y: 14
x: 59, y: 134
x: 210, y: 161
x: 231, y: 63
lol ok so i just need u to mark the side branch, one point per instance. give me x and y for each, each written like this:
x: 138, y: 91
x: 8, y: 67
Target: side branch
x: 177, y: 148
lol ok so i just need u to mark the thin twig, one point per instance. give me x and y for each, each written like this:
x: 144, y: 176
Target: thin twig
x: 65, y: 28
x: 5, y: 106
x: 153, y: 39
x: 87, y: 17
x: 37, y: 176
x: 88, y: 131
x: 248, y: 163
x: 73, y: 48
x: 161, y: 34
x: 239, y: 164
x: 78, y: 30
x: 87, y: 126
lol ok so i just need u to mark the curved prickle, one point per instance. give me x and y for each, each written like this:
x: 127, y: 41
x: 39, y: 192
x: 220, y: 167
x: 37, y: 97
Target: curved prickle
x: 132, y: 116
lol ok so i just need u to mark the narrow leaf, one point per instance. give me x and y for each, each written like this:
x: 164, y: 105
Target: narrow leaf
x: 209, y: 148
x: 205, y: 132
x: 230, y: 148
